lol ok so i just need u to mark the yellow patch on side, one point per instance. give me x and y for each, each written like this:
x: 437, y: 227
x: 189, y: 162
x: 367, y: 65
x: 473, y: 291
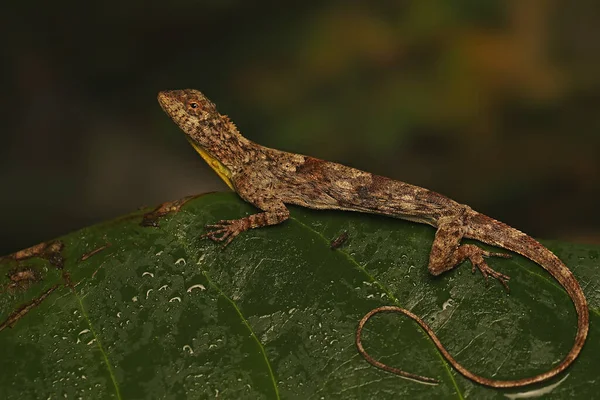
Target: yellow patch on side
x: 215, y: 164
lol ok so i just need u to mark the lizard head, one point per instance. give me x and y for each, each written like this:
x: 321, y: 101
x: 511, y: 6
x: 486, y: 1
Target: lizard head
x: 188, y: 108
x: 212, y: 135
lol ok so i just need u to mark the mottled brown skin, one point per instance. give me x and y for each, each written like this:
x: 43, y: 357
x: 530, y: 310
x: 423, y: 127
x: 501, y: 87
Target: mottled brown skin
x: 269, y: 179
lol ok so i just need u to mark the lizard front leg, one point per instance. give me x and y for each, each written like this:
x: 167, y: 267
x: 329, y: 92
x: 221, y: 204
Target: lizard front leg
x: 274, y: 212
x: 447, y: 252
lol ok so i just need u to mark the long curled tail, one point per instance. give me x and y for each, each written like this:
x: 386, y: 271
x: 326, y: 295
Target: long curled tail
x: 496, y: 233
x: 386, y: 367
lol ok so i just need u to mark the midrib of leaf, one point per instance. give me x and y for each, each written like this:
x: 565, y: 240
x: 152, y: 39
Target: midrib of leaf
x: 385, y: 289
x: 99, y: 344
x: 237, y: 310
x: 247, y: 324
x: 536, y: 273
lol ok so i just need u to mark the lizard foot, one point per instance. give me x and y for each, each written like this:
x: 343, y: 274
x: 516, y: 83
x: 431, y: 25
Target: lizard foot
x: 224, y: 231
x: 476, y: 258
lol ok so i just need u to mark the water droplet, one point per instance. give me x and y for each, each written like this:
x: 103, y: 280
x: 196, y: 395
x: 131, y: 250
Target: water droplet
x: 198, y: 286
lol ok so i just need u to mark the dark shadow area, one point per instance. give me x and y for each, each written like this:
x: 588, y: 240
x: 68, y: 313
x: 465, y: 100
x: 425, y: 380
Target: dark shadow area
x: 494, y: 103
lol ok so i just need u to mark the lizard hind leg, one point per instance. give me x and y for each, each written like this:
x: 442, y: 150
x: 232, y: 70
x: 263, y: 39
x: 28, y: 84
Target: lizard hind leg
x: 447, y: 252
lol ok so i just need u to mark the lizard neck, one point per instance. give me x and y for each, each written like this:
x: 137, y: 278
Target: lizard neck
x: 222, y: 146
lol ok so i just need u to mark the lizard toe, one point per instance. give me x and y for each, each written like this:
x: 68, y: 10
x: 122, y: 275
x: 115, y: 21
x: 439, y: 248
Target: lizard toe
x: 487, y: 271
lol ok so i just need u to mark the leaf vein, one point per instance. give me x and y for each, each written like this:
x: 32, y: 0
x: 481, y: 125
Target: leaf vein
x: 247, y: 324
x: 99, y: 344
x: 385, y: 289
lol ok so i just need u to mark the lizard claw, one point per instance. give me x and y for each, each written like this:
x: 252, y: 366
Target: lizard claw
x: 487, y: 271
x: 223, y: 231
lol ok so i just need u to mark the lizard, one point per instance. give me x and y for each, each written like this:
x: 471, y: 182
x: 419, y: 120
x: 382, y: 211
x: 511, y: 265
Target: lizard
x: 269, y: 179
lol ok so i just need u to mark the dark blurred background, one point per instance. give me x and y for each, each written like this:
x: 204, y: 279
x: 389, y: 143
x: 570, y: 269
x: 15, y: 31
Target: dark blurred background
x: 494, y: 103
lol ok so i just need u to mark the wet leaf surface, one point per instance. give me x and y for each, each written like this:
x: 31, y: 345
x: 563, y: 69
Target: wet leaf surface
x: 159, y: 313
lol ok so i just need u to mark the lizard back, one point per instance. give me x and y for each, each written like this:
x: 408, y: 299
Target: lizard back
x: 319, y: 184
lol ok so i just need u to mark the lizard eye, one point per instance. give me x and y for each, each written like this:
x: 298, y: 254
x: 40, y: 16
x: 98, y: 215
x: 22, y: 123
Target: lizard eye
x: 194, y: 105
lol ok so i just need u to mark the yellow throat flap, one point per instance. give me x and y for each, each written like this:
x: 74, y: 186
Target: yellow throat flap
x: 215, y: 164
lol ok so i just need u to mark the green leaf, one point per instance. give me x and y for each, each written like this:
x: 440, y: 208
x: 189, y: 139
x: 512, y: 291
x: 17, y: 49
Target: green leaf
x: 156, y: 312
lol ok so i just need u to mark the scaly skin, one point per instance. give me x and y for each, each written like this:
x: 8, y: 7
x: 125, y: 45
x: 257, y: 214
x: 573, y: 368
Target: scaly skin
x: 269, y: 179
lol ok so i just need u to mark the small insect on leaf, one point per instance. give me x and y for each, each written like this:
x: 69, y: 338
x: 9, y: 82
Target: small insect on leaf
x: 339, y: 241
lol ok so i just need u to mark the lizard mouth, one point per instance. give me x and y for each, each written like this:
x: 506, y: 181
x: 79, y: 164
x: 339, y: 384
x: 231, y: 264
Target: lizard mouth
x: 171, y: 104
x: 164, y: 100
